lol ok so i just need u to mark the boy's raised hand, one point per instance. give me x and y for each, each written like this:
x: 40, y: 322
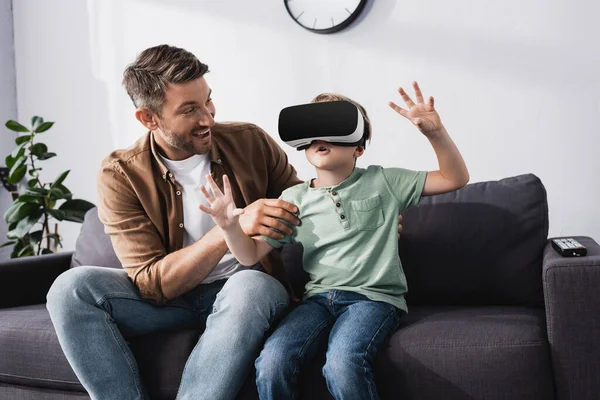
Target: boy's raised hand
x: 222, y: 207
x: 422, y: 114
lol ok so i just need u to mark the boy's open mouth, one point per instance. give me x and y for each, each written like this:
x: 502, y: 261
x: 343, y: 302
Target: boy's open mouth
x: 322, y: 149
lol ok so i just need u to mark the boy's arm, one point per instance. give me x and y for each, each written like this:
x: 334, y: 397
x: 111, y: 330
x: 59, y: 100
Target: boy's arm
x: 248, y: 251
x: 223, y: 211
x: 453, y: 173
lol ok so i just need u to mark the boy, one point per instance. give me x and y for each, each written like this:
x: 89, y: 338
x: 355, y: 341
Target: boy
x: 355, y: 295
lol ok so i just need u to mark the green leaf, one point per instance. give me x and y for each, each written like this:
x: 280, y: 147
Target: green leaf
x: 47, y: 156
x: 17, y: 211
x: 27, y: 198
x: 36, y: 121
x: 67, y: 193
x: 37, y: 192
x: 32, y: 182
x: 44, y: 127
x: 39, y: 149
x: 35, y: 237
x: 15, y: 126
x: 58, y: 194
x: 61, y: 178
x: 75, y: 209
x: 22, y: 139
x: 26, y: 251
x: 7, y: 244
x: 47, y: 251
x: 27, y: 223
x: 17, y: 164
x: 35, y: 172
x: 16, y: 175
x: 19, y: 150
x: 58, y: 214
x: 18, y: 246
x: 10, y: 161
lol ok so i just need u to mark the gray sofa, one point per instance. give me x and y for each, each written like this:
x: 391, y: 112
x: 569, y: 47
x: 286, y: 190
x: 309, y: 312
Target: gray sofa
x: 495, y: 313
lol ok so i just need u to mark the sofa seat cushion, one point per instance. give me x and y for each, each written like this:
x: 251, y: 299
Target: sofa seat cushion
x: 31, y: 355
x: 468, y: 353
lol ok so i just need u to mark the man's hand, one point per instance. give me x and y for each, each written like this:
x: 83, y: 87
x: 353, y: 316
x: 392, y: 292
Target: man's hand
x: 222, y: 207
x: 422, y: 114
x: 261, y: 216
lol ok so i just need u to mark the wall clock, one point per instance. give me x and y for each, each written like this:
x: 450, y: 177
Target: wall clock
x: 324, y: 16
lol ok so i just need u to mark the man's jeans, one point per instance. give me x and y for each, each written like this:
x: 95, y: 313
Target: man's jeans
x: 349, y: 325
x: 93, y: 308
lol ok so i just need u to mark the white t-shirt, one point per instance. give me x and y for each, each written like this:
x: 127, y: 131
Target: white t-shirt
x: 190, y: 174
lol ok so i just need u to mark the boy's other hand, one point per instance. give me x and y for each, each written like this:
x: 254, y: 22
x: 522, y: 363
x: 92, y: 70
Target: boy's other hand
x: 422, y: 115
x: 399, y: 226
x: 222, y: 207
x: 262, y: 216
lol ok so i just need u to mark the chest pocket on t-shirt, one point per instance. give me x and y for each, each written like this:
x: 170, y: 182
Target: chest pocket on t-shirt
x: 367, y: 213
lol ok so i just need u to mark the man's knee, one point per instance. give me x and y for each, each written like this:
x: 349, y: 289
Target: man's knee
x: 79, y: 285
x: 251, y: 290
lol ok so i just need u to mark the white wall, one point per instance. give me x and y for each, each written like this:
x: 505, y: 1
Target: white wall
x: 8, y: 106
x: 515, y: 82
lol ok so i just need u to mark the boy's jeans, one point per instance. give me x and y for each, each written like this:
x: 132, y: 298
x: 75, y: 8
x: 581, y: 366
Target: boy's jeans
x: 349, y: 325
x: 93, y: 308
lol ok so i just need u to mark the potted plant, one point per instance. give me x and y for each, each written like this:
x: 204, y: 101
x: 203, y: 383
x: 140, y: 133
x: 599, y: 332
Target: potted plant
x: 38, y: 203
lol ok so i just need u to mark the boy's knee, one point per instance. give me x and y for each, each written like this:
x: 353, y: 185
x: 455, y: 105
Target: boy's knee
x: 273, y: 364
x: 341, y: 367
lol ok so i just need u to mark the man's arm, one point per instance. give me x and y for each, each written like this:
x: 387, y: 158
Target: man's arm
x: 453, y: 173
x: 137, y: 243
x: 160, y: 276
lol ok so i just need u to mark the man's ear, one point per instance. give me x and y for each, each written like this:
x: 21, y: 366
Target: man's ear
x: 147, y: 118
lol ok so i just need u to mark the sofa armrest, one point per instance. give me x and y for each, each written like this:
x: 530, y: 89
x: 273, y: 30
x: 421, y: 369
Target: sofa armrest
x: 572, y: 297
x: 26, y: 280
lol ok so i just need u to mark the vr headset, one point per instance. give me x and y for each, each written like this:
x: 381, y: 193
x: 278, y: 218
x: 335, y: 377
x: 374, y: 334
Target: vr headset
x: 337, y: 122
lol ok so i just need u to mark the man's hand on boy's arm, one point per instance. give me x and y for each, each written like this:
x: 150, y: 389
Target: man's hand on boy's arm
x: 264, y: 215
x: 453, y: 173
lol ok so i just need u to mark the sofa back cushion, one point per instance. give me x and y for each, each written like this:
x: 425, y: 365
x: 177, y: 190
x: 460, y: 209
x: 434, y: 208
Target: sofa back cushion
x: 93, y: 246
x: 481, y: 245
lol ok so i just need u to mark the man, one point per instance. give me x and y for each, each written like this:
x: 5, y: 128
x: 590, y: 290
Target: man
x: 177, y: 271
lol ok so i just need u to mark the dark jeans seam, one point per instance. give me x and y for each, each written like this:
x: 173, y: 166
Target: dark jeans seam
x: 127, y: 296
x: 364, y: 357
x: 303, y: 350
x: 132, y: 365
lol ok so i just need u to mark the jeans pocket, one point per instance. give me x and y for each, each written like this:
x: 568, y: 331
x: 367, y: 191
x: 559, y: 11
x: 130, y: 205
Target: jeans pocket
x: 368, y: 213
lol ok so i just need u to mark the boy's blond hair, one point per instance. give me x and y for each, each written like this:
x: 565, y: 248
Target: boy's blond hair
x: 324, y: 97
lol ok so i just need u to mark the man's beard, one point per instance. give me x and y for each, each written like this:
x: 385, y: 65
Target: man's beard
x: 179, y: 143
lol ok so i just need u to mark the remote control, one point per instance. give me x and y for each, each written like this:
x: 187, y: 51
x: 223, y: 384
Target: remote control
x: 568, y: 247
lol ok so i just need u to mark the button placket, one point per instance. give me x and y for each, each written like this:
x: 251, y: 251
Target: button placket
x: 338, y: 207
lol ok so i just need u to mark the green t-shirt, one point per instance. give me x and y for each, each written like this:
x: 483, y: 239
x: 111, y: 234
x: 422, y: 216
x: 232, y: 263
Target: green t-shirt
x: 350, y: 232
